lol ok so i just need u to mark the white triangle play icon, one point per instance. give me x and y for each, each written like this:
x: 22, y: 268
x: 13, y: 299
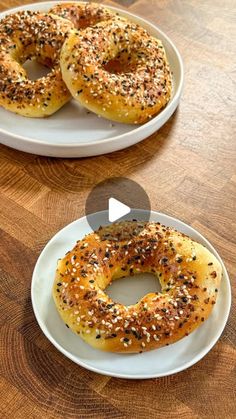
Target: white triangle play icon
x: 117, y: 209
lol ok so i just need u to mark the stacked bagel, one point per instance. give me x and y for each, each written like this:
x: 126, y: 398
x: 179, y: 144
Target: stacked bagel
x: 107, y: 63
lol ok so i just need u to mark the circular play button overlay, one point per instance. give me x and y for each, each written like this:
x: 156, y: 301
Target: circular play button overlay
x: 120, y: 197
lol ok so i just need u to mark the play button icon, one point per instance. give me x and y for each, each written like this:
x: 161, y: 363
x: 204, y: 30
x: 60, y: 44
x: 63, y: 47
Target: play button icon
x: 117, y: 210
x: 120, y: 198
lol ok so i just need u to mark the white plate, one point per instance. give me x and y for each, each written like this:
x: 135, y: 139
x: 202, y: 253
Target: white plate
x: 156, y: 363
x: 72, y: 132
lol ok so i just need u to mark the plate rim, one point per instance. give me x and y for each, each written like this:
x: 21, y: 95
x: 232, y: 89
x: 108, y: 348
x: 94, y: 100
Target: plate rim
x: 172, y: 104
x: 183, y: 366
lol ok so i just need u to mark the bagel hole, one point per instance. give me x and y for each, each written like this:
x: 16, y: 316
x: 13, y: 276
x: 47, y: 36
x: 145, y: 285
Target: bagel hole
x: 122, y: 63
x: 35, y: 70
x: 131, y: 289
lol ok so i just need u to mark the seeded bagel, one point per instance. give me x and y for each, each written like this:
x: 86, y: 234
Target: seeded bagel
x: 24, y: 36
x: 117, y: 70
x: 189, y: 276
x: 83, y: 14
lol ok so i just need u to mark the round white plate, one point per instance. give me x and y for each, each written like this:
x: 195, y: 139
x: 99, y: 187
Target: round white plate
x: 156, y: 363
x: 72, y: 131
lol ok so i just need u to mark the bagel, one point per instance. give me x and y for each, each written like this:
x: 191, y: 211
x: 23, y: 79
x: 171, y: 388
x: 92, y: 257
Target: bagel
x: 117, y: 70
x: 82, y: 15
x: 189, y: 276
x: 23, y: 36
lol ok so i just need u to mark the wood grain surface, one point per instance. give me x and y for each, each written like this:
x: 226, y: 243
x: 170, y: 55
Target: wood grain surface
x: 188, y: 169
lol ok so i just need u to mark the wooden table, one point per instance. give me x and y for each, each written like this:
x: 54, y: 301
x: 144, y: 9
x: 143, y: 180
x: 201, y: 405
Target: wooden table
x: 188, y: 169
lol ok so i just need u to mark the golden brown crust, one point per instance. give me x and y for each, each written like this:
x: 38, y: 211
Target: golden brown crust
x: 23, y: 36
x: 117, y: 70
x: 188, y: 273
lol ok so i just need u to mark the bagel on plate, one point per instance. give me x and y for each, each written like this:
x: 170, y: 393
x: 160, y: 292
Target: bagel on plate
x: 24, y: 36
x: 117, y: 70
x: 189, y: 276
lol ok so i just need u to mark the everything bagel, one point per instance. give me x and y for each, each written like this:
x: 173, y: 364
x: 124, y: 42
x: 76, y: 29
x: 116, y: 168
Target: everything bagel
x: 117, y: 70
x: 23, y: 36
x: 82, y: 15
x: 189, y: 275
